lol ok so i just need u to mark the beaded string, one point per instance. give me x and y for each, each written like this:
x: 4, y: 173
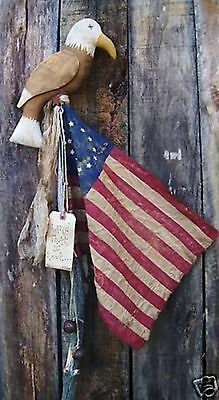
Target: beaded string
x: 76, y: 301
x: 63, y: 205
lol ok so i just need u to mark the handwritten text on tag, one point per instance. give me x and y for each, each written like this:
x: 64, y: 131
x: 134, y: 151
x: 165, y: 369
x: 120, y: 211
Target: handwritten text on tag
x: 60, y: 241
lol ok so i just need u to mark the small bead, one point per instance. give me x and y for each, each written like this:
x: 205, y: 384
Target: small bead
x: 78, y: 354
x: 69, y: 326
x: 76, y: 372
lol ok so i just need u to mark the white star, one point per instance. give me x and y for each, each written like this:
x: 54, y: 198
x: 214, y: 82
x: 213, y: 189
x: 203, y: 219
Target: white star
x: 90, y: 139
x: 89, y: 165
x: 94, y: 149
x: 79, y: 170
x: 82, y: 130
x: 95, y: 158
x: 69, y: 141
x: 72, y: 152
x: 71, y: 123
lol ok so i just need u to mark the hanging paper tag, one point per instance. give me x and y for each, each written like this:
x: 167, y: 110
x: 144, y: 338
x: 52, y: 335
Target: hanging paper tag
x: 60, y: 241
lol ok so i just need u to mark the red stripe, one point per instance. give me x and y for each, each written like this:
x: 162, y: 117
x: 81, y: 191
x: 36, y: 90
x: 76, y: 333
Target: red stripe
x: 116, y: 293
x: 155, y: 212
x: 80, y: 215
x: 77, y: 203
x: 82, y: 239
x: 81, y: 225
x: 120, y: 330
x: 109, y: 254
x: 70, y: 203
x: 141, y: 230
x: 76, y: 200
x: 73, y: 180
x: 82, y: 248
x: 97, y: 214
x: 159, y: 187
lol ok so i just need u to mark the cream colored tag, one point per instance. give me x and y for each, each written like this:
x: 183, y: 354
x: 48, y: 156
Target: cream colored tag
x: 60, y: 241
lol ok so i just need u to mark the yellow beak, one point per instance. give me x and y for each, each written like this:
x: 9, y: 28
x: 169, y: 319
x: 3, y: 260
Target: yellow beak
x: 106, y: 44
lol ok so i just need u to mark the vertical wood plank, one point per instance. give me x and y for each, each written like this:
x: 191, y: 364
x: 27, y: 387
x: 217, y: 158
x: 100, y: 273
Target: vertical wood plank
x: 164, y: 137
x: 28, y: 336
x: 207, y: 24
x: 102, y: 102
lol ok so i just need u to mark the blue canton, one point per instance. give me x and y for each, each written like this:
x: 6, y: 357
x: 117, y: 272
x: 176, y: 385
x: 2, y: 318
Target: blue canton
x: 87, y: 150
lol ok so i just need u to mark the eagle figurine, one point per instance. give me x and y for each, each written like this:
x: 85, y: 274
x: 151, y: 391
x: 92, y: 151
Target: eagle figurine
x: 61, y: 73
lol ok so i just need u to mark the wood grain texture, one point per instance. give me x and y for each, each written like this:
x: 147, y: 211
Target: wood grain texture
x: 164, y: 137
x: 160, y: 91
x: 27, y: 295
x: 102, y: 102
x: 207, y: 24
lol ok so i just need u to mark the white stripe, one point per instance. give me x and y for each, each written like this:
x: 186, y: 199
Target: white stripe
x: 116, y: 277
x: 144, y: 247
x: 147, y: 220
x: 152, y: 195
x: 116, y: 309
x: 101, y: 232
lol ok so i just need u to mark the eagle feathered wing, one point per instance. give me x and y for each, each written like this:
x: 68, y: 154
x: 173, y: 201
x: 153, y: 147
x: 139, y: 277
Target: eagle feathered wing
x: 51, y: 74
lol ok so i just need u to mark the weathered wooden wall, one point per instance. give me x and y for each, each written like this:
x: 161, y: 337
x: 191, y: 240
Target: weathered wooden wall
x: 158, y: 96
x: 27, y: 295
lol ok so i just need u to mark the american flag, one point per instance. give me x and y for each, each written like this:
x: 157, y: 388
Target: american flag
x: 142, y: 239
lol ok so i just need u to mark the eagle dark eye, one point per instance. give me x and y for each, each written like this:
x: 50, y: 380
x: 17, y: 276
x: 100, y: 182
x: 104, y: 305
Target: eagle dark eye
x: 90, y: 27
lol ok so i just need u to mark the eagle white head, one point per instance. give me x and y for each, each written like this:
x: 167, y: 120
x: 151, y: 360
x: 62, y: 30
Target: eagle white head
x: 86, y: 35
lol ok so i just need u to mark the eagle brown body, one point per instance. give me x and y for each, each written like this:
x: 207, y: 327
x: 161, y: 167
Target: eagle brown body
x: 69, y: 68
x: 61, y: 73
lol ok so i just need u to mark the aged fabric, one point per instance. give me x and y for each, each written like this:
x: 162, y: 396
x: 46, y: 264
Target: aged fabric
x: 142, y: 239
x: 32, y: 240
